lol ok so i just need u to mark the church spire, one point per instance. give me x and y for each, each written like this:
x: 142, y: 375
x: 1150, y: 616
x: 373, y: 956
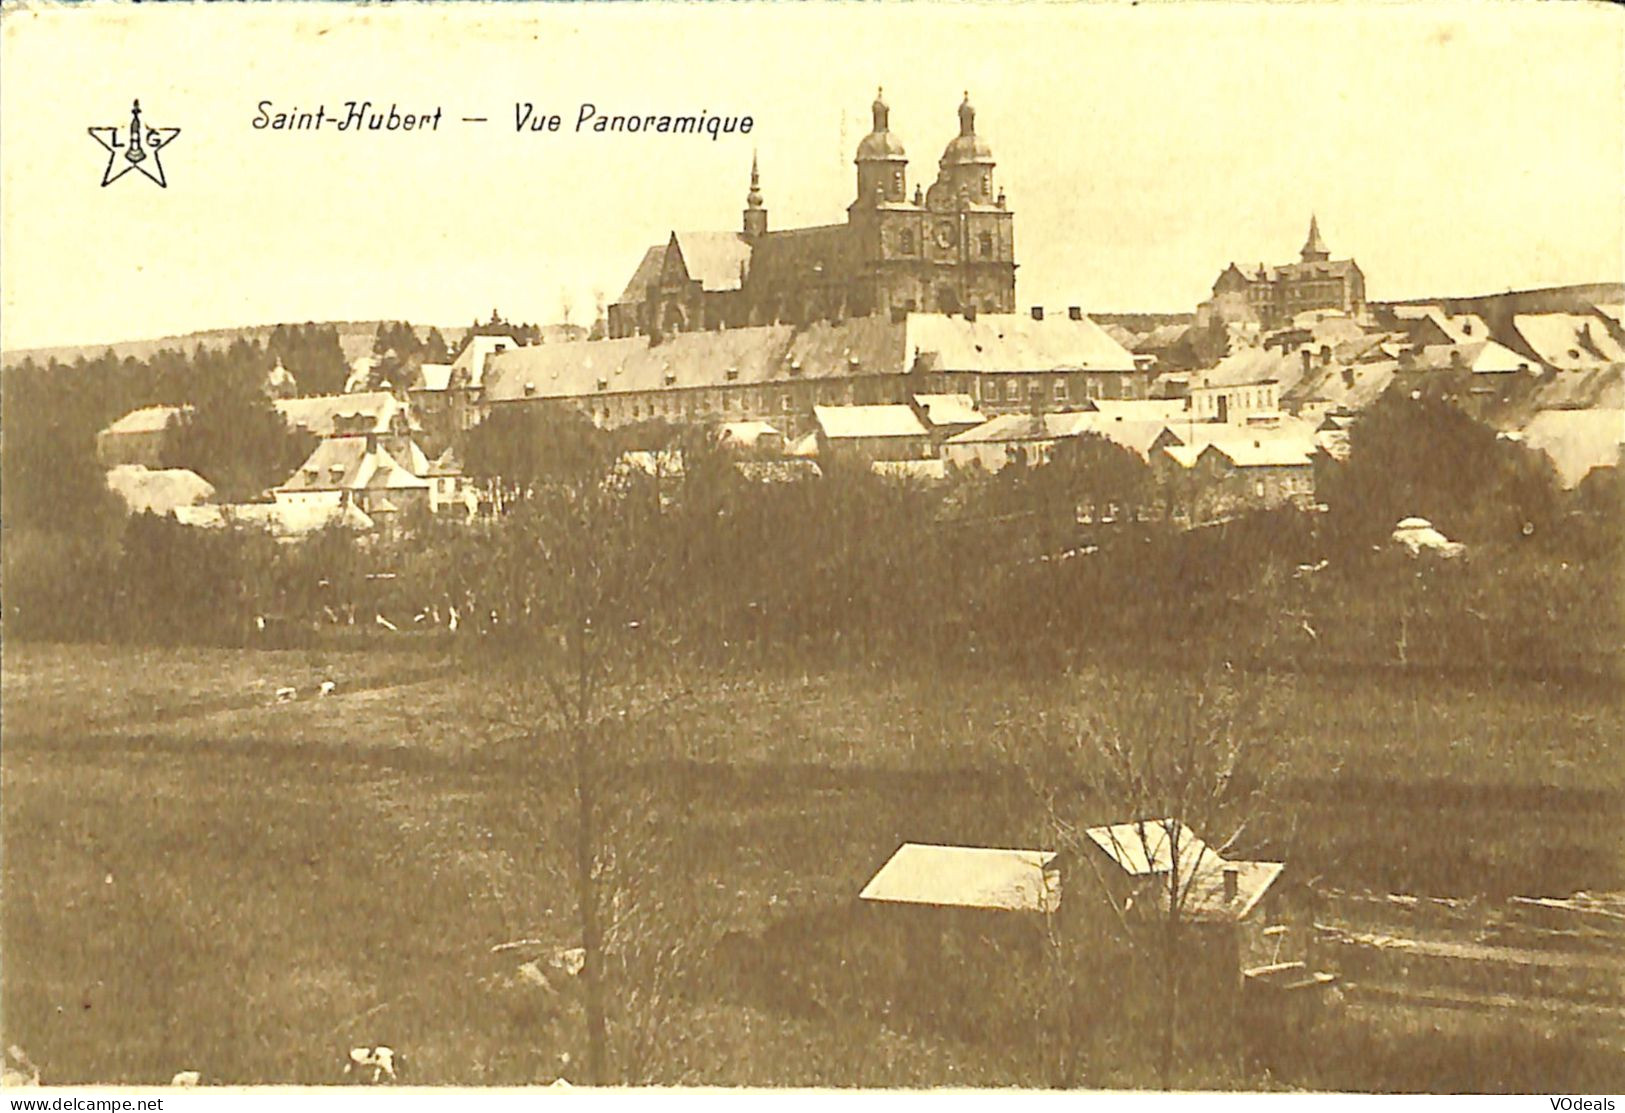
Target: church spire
x: 754, y: 197
x: 755, y: 223
x: 967, y: 116
x: 1314, y: 248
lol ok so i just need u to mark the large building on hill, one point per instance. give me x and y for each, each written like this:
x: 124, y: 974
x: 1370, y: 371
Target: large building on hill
x: 1273, y: 296
x: 946, y: 249
x: 777, y: 373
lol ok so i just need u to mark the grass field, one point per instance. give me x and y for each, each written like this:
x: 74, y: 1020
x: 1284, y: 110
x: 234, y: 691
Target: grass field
x: 199, y: 877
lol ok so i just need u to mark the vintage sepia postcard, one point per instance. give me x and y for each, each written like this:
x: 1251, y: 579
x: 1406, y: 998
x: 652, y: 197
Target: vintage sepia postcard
x: 918, y: 546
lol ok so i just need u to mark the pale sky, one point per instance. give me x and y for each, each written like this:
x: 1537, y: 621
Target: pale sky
x: 1450, y: 148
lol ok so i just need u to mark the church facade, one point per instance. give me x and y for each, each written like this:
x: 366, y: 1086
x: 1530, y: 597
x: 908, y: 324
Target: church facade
x: 946, y: 249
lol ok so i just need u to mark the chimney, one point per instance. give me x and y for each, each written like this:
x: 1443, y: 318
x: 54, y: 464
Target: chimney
x: 1305, y: 354
x: 1038, y: 312
x: 970, y: 313
x: 1232, y: 879
x: 372, y: 442
x: 1075, y: 312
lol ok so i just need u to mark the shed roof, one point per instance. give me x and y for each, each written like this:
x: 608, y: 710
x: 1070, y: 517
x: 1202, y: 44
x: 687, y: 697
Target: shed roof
x: 967, y: 877
x: 745, y: 432
x: 852, y: 422
x: 1577, y: 440
x: 1015, y: 342
x: 949, y: 409
x: 1146, y: 846
x: 1568, y: 340
x: 148, y: 419
x: 157, y: 491
x: 1205, y: 900
x: 321, y: 413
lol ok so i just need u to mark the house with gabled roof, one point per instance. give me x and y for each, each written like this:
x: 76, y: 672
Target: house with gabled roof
x: 361, y: 471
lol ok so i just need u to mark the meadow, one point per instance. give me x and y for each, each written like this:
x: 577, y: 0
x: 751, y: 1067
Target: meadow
x: 197, y: 876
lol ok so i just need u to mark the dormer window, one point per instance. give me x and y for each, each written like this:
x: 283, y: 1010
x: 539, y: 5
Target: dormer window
x: 530, y: 389
x: 603, y: 384
x: 732, y: 374
x: 671, y: 378
x: 795, y: 367
x: 311, y: 475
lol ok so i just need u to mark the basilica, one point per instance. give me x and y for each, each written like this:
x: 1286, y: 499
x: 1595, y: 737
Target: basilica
x: 949, y: 248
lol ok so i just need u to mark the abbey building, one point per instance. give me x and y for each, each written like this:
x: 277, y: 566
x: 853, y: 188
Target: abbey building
x: 949, y: 248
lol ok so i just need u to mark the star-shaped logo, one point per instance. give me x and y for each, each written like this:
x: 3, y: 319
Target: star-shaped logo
x: 139, y: 149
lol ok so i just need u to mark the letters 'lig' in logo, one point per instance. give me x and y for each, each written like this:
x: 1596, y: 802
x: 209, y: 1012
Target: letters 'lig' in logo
x: 137, y: 149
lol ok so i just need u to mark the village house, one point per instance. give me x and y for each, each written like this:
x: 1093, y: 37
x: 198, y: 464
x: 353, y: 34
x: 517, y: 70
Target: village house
x: 139, y: 437
x: 450, y: 490
x: 1213, y: 398
x: 870, y: 433
x: 1210, y: 473
x: 374, y: 476
x: 1031, y: 439
x: 1025, y: 439
x: 1243, y: 919
x: 953, y: 916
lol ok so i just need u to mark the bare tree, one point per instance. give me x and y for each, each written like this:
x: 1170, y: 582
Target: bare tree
x: 568, y: 576
x: 1179, y: 773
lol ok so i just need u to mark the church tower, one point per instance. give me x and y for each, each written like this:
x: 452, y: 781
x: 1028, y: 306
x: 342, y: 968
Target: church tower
x: 882, y: 163
x: 972, y: 231
x: 966, y: 168
x: 755, y: 222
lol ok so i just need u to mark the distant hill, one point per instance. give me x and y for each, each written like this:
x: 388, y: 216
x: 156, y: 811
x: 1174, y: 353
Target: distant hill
x: 1497, y: 310
x: 355, y: 337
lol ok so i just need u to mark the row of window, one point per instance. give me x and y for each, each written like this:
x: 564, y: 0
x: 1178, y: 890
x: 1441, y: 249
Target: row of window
x: 988, y: 389
x: 1259, y: 398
